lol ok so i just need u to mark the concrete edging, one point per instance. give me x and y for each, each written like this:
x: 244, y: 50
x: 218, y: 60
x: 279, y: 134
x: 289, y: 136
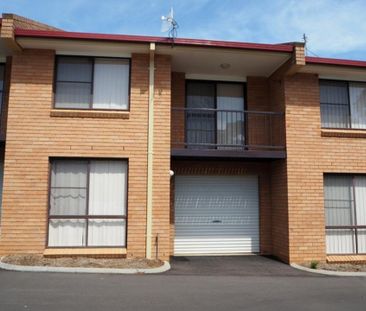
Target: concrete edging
x: 165, y: 267
x: 328, y: 272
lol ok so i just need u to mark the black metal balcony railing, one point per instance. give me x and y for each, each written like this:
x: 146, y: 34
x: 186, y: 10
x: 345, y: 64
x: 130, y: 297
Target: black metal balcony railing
x: 206, y: 128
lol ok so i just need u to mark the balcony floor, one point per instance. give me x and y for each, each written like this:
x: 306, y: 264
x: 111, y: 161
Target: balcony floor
x: 214, y: 153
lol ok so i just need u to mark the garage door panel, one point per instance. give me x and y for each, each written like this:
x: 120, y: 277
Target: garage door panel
x: 216, y: 215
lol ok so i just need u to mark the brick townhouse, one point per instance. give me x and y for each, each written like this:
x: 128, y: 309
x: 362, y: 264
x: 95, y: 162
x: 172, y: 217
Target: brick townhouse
x: 118, y: 145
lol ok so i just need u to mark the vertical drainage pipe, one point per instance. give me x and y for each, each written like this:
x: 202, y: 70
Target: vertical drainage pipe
x: 150, y: 153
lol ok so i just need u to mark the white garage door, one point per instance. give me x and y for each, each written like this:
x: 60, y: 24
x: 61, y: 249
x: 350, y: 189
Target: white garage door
x: 216, y: 215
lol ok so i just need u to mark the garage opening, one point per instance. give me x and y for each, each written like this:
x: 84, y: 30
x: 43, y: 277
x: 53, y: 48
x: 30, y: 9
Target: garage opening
x: 216, y: 215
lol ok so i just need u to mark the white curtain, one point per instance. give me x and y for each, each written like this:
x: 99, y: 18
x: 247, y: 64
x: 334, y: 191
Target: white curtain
x: 360, y: 194
x: 357, y: 93
x: 338, y: 197
x: 66, y: 232
x: 73, y: 95
x: 340, y: 241
x: 343, y: 208
x: 111, y: 83
x: 108, y: 187
x: 106, y: 232
x: 107, y: 196
x: 338, y: 201
x: 68, y: 188
x: 361, y: 233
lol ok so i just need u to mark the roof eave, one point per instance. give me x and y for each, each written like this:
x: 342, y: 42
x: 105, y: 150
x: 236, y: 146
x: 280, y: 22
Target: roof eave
x: 283, y: 48
x: 335, y: 62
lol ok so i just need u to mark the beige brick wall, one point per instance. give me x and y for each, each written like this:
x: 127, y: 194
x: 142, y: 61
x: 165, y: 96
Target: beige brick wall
x: 12, y: 21
x: 309, y: 156
x: 33, y: 136
x: 161, y: 180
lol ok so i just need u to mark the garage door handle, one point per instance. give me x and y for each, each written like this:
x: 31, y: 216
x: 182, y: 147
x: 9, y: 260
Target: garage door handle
x: 217, y: 221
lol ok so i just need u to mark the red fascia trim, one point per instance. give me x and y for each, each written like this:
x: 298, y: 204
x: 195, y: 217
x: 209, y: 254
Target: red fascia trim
x: 335, y: 62
x: 147, y: 39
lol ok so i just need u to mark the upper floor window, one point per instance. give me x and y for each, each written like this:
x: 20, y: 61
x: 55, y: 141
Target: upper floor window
x: 2, y: 84
x: 343, y: 104
x: 92, y: 83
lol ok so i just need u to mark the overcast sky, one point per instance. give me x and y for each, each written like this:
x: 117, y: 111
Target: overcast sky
x: 334, y: 28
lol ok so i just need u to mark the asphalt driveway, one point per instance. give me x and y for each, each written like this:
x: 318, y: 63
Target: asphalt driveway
x: 265, y: 285
x: 233, y: 266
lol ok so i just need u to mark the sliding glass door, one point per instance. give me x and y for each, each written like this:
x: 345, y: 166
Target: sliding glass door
x: 215, y: 115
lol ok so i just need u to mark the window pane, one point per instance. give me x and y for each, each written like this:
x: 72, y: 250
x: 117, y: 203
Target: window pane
x: 73, y: 95
x: 1, y: 183
x: 108, y: 187
x: 334, y: 104
x: 360, y: 194
x: 66, y: 232
x: 68, y: 201
x: 338, y: 200
x: 2, y: 76
x: 230, y: 123
x: 361, y: 234
x: 75, y: 69
x: 68, y: 188
x: 111, y: 83
x: 200, y: 124
x: 358, y: 104
x: 106, y: 232
x: 69, y: 173
x: 340, y: 241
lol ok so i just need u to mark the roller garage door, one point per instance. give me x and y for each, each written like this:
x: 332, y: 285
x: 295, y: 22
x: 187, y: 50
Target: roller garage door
x: 216, y: 215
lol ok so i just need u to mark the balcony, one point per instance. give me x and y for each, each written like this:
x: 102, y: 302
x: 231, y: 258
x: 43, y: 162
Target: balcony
x: 206, y: 132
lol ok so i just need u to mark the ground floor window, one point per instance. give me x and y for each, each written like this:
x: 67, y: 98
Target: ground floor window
x: 345, y: 213
x: 87, y: 203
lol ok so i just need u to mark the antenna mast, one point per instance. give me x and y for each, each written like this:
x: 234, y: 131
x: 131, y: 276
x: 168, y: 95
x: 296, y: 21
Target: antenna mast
x: 170, y: 25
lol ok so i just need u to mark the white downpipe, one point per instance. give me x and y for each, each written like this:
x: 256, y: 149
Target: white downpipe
x: 150, y: 153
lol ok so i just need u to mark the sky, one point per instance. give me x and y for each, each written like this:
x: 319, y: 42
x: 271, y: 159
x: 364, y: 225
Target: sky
x: 333, y: 28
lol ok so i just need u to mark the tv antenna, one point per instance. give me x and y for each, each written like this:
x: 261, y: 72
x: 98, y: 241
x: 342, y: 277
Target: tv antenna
x: 307, y: 50
x: 169, y: 25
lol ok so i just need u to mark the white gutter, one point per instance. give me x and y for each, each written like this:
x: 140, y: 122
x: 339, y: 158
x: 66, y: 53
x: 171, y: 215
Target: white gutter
x: 150, y: 153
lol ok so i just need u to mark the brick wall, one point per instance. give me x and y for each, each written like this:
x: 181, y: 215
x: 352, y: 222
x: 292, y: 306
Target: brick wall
x: 4, y: 106
x: 280, y: 237
x: 33, y: 136
x: 178, y: 101
x: 309, y: 156
x: 258, y: 130
x: 304, y: 169
x: 161, y: 179
x: 12, y: 21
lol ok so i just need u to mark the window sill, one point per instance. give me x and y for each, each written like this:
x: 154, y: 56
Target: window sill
x: 85, y: 252
x: 346, y: 258
x: 348, y: 133
x: 79, y: 113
